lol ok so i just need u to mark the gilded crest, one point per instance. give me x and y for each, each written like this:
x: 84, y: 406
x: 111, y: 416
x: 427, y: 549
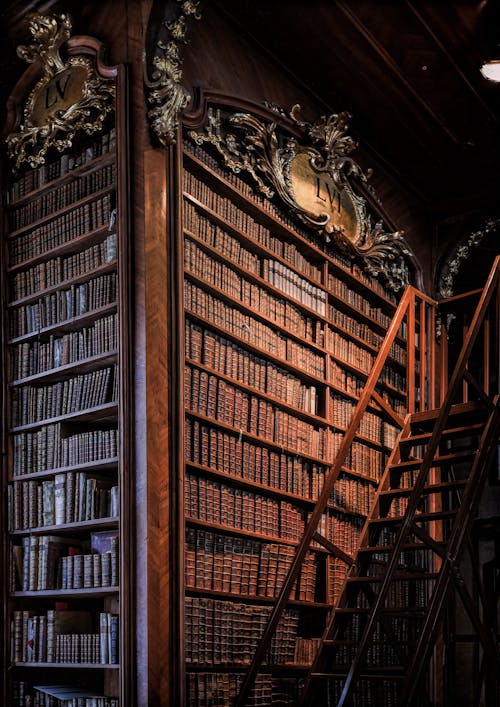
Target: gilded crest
x: 316, y: 178
x: 69, y: 97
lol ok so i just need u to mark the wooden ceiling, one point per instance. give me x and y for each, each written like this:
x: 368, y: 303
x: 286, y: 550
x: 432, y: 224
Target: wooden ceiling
x: 408, y: 72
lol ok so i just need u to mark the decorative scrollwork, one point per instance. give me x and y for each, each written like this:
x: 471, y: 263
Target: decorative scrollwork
x: 459, y: 254
x: 167, y: 94
x: 315, y: 178
x: 68, y: 98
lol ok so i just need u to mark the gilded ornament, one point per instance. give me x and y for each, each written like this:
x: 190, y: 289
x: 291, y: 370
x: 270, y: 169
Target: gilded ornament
x: 168, y: 96
x: 315, y: 177
x: 70, y: 97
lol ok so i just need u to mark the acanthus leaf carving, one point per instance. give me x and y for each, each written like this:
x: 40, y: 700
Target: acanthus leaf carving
x: 315, y: 177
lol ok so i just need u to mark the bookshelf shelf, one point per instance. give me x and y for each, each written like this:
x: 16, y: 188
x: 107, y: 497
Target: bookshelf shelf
x: 101, y: 270
x: 68, y: 325
x: 76, y: 172
x: 53, y: 216
x: 83, y: 526
x: 107, y: 411
x: 97, y: 465
x: 81, y: 365
x: 74, y: 666
x: 72, y: 245
x: 95, y: 592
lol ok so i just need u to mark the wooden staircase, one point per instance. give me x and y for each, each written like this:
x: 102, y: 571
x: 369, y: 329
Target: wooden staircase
x: 380, y: 634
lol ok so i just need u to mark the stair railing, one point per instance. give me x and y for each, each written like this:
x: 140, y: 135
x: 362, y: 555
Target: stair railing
x: 416, y: 311
x: 487, y: 294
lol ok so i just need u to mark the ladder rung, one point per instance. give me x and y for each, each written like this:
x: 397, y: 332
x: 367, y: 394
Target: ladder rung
x: 390, y: 548
x: 414, y: 464
x: 419, y: 517
x: 397, y: 577
x: 432, y: 488
x: 389, y: 675
x: 452, y: 432
x: 459, y: 409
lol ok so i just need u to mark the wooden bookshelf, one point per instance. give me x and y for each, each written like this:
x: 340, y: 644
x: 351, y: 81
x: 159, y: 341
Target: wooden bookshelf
x: 280, y: 333
x: 66, y: 388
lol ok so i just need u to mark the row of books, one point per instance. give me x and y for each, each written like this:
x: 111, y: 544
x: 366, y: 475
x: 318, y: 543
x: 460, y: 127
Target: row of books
x: 196, y: 221
x: 232, y: 507
x: 244, y: 223
x: 227, y: 357
x: 227, y: 451
x: 293, y: 285
x: 64, y: 637
x: 242, y: 325
x: 48, y: 562
x: 220, y: 689
x: 404, y: 594
x: 220, y: 240
x: 69, y: 497
x: 355, y: 299
x: 268, y: 205
x: 353, y: 494
x: 251, y: 295
x: 61, y: 230
x: 59, y: 198
x: 58, y: 307
x: 87, y: 390
x: 352, y: 384
x: 34, y: 179
x: 366, y: 693
x: 341, y: 529
x: 243, y: 566
x: 49, y: 449
x: 32, y: 357
x: 216, y: 398
x: 57, y: 270
x: 227, y: 633
x: 24, y: 695
x: 372, y: 426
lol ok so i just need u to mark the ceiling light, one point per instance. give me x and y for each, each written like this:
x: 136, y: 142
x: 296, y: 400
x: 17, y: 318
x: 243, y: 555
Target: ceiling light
x: 491, y: 70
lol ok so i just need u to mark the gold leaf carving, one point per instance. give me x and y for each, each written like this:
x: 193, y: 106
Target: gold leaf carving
x: 70, y: 96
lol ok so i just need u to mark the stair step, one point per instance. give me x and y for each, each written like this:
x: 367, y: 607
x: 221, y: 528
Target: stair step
x: 398, y: 576
x: 422, y: 438
x: 432, y: 488
x: 459, y: 409
x: 392, y: 673
x: 419, y: 517
x: 408, y: 612
x: 344, y: 642
x: 389, y: 548
x: 441, y: 460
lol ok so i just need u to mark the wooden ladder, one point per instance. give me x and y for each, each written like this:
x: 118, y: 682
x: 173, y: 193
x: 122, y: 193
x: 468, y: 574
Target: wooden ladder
x: 379, y: 636
x: 423, y: 476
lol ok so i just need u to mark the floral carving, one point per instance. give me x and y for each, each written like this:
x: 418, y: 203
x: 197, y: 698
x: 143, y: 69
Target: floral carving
x: 281, y: 164
x: 167, y: 94
x: 82, y: 100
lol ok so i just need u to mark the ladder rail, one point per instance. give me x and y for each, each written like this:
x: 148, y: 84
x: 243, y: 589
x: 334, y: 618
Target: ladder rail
x: 406, y: 306
x: 426, y: 464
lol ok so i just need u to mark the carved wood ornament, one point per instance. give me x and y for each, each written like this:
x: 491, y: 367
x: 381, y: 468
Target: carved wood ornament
x: 69, y: 97
x: 315, y: 177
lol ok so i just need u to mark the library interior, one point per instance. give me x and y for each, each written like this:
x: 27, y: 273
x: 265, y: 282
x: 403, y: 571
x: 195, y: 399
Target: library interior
x: 250, y: 339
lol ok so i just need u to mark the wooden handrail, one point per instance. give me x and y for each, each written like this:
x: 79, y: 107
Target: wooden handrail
x: 406, y: 306
x: 439, y: 426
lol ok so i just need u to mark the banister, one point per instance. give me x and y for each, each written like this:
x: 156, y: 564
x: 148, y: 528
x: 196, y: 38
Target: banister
x: 428, y: 458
